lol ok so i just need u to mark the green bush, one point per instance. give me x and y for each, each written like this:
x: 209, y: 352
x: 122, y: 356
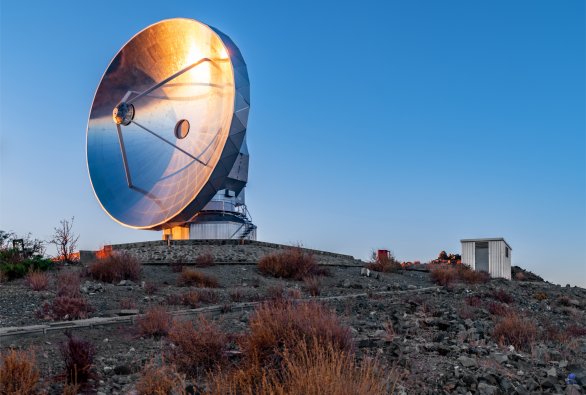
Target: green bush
x: 16, y: 269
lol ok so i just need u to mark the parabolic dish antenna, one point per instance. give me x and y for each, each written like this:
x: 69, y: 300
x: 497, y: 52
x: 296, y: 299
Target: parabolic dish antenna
x: 167, y: 124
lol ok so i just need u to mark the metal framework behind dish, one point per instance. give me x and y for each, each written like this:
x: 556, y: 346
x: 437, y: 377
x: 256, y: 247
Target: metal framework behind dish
x: 228, y: 177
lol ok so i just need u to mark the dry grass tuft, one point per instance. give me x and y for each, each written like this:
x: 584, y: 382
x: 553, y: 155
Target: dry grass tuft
x: 78, y: 358
x: 127, y: 303
x: 313, y: 285
x: 540, y: 296
x: 18, y: 373
x: 313, y: 368
x: 513, y: 329
x: 205, y: 259
x: 150, y: 288
x: 156, y: 322
x: 68, y: 284
x: 66, y: 308
x: 292, y: 263
x: 502, y: 296
x: 199, y: 346
x: 190, y: 277
x: 160, y: 380
x: 499, y: 309
x: 447, y: 275
x: 37, y: 281
x: 282, y: 324
x: 115, y: 267
x: 473, y: 301
x: 384, y: 264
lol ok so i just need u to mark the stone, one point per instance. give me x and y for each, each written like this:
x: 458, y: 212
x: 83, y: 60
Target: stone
x: 552, y: 372
x: 499, y: 357
x: 466, y: 361
x: 346, y: 283
x: 486, y: 389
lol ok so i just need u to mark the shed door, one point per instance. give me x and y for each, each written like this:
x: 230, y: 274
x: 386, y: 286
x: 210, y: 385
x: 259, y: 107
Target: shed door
x: 481, y: 252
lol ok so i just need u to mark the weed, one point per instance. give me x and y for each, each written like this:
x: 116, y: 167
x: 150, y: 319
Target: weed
x: 473, y: 301
x: 115, y: 267
x: 198, y: 347
x: 190, y: 277
x: 18, y: 373
x: 292, y: 263
x: 37, y: 281
x: 540, y: 296
x: 312, y: 284
x: 499, y: 309
x: 513, y: 329
x: 78, y: 358
x: 204, y: 260
x: 502, y: 296
x: 150, y: 288
x: 160, y: 380
x: 66, y: 308
x: 68, y: 284
x: 156, y: 322
x: 127, y: 303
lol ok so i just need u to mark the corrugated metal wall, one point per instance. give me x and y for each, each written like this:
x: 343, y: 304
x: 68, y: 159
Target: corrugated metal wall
x: 499, y: 264
x: 468, y: 254
x: 218, y: 230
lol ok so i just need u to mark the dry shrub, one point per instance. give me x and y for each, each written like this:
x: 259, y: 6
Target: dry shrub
x: 282, y: 324
x: 237, y: 295
x: 195, y: 297
x: 154, y: 323
x: 447, y: 275
x: 127, y: 303
x: 386, y: 264
x: 502, y: 296
x: 68, y: 284
x: 312, y: 369
x: 174, y: 299
x: 466, y: 312
x: 199, y: 346
x: 115, y: 267
x: 150, y: 288
x: 293, y: 293
x: 71, y: 389
x: 177, y: 266
x: 291, y: 263
x: 37, y: 281
x: 444, y: 275
x: 78, y: 358
x: 469, y: 276
x: 204, y: 260
x: 160, y: 380
x: 473, y: 301
x: 313, y: 285
x: 564, y: 301
x: 390, y: 332
x: 18, y: 373
x: 576, y: 330
x: 190, y: 277
x: 540, y: 296
x: 66, y: 308
x: 499, y: 309
x: 520, y: 276
x: 513, y: 329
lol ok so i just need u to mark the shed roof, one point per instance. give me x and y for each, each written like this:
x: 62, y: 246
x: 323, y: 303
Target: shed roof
x: 487, y: 239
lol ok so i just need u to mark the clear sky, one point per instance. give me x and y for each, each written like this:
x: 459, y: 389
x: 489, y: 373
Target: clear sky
x: 405, y: 125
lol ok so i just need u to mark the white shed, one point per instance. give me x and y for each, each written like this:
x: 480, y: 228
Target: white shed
x: 492, y: 255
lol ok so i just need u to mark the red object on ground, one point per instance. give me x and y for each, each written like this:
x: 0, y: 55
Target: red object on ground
x: 382, y: 254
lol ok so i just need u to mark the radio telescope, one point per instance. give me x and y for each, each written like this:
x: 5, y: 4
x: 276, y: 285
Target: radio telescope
x: 166, y: 136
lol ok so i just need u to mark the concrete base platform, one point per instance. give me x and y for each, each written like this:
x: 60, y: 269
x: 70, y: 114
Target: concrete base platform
x: 224, y: 251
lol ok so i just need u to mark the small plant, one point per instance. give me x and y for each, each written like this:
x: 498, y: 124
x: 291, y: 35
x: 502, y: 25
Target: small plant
x: 190, y: 277
x: 127, y: 304
x: 199, y: 346
x: 540, y: 296
x: 444, y: 275
x: 71, y: 389
x: 177, y: 266
x: 386, y: 264
x: 68, y: 284
x: 520, y: 276
x: 66, y: 308
x: 78, y: 358
x: 576, y: 330
x: 313, y: 285
x: 502, y: 296
x: 564, y: 301
x: 150, y: 288
x: 237, y: 295
x: 115, y: 267
x: 292, y: 263
x: 18, y: 373
x: 473, y: 301
x: 282, y: 324
x: 156, y: 322
x: 389, y: 331
x: 204, y: 260
x: 160, y: 380
x: 513, y: 329
x: 447, y: 275
x: 499, y: 309
x: 37, y: 281
x: 466, y: 312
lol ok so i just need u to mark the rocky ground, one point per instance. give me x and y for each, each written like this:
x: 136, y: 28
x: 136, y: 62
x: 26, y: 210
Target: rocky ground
x: 432, y: 339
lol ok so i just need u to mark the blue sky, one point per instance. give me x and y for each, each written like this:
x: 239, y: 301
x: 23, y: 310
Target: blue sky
x: 405, y: 125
